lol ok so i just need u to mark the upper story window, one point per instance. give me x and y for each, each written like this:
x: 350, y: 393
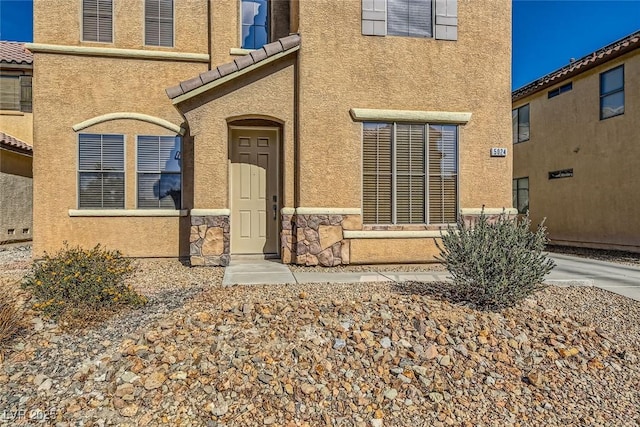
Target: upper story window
x: 15, y: 93
x: 158, y: 23
x: 97, y: 21
x: 520, y: 120
x: 410, y: 173
x: 411, y: 18
x: 159, y: 172
x: 612, y: 93
x: 557, y: 91
x: 255, y: 23
x: 100, y: 171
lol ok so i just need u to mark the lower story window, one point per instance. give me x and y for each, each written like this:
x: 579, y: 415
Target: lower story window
x: 410, y: 173
x: 100, y: 171
x: 521, y: 194
x: 159, y: 172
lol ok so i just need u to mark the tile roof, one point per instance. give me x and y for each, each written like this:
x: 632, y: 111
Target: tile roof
x: 15, y: 53
x: 600, y: 56
x: 279, y: 46
x: 14, y: 144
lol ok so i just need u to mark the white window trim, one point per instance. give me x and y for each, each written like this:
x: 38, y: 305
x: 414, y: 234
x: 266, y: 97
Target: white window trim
x: 181, y: 175
x: 124, y: 171
x: 127, y: 212
x: 113, y: 26
x: 144, y: 27
x: 393, y: 174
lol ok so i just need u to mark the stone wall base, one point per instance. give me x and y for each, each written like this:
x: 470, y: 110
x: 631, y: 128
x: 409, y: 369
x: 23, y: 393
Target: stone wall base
x: 317, y: 239
x: 209, y: 240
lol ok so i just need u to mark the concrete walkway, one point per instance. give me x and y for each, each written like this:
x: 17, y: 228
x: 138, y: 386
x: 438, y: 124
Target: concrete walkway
x: 617, y: 278
x: 569, y: 270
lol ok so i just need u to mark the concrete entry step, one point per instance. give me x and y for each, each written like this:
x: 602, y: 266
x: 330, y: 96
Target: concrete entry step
x: 254, y: 270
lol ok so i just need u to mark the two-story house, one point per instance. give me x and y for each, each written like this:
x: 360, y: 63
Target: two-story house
x: 576, y: 149
x: 16, y: 135
x: 321, y: 132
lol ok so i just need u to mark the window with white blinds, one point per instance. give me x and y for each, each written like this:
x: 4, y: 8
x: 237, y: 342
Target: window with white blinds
x: 100, y: 171
x: 158, y: 23
x: 410, y: 173
x: 159, y: 172
x: 97, y: 21
x: 410, y: 18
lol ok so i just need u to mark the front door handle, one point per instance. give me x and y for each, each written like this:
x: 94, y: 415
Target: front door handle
x: 275, y: 211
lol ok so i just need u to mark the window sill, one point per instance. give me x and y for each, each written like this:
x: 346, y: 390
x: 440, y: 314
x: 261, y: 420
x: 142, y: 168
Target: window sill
x: 238, y: 51
x: 127, y: 212
x: 394, y: 234
x: 11, y: 113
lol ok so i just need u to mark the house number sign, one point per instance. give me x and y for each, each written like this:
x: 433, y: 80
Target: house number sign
x: 498, y: 152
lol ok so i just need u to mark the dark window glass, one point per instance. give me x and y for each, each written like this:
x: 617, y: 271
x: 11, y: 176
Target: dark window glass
x: 101, y: 171
x: 159, y: 172
x: 520, y: 121
x: 612, y: 93
x: 255, y: 20
x: 521, y: 194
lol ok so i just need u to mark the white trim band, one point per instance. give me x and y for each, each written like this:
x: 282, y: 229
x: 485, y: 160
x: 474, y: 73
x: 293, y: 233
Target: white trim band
x: 489, y: 211
x: 328, y: 211
x: 210, y: 212
x: 131, y: 116
x: 364, y: 114
x: 382, y: 234
x: 117, y: 53
x: 127, y: 212
x: 239, y: 51
x: 288, y: 211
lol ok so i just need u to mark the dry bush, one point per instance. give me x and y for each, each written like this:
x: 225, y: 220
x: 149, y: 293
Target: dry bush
x: 11, y: 321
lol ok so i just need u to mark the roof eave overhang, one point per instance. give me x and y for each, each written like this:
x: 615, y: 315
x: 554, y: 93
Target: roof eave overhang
x: 211, y: 85
x: 551, y: 80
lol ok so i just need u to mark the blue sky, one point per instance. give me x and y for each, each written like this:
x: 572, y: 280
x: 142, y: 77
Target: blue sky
x: 546, y: 33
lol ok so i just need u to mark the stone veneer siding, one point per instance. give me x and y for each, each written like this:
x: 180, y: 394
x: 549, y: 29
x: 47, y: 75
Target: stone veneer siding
x: 316, y: 239
x: 209, y: 241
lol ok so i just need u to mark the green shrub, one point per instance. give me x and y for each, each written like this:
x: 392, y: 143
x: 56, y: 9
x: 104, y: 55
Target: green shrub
x: 496, y: 263
x: 80, y: 283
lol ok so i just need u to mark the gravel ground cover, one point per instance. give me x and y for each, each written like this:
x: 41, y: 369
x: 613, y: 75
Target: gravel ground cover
x: 367, y: 354
x: 620, y: 257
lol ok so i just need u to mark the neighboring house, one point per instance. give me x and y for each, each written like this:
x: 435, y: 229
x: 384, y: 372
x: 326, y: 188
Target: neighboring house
x: 576, y: 149
x: 16, y: 188
x: 321, y: 132
x: 16, y: 136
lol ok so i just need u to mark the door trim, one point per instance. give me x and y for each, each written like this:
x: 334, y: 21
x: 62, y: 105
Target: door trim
x: 277, y: 132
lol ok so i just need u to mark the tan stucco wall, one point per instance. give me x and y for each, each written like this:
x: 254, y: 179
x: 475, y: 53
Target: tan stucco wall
x: 16, y: 164
x: 348, y: 70
x: 266, y: 93
x: 368, y: 251
x: 59, y: 22
x: 17, y: 124
x: 598, y: 206
x: 16, y: 186
x: 15, y: 207
x: 100, y: 86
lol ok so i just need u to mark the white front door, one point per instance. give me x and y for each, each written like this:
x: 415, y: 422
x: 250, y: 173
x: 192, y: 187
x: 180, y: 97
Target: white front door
x: 254, y: 191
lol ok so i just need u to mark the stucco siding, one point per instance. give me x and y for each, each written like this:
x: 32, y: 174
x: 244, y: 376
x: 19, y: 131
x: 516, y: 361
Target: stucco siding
x: 348, y: 70
x: 15, y: 207
x: 59, y: 22
x: 598, y: 206
x: 100, y: 86
x: 17, y: 124
x: 267, y: 93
